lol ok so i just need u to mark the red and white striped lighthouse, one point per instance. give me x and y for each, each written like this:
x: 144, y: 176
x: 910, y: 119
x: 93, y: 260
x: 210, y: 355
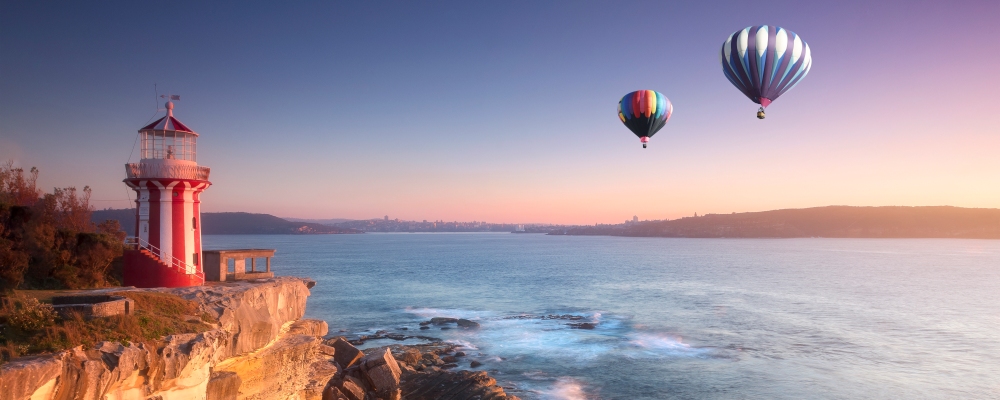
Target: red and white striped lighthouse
x: 166, y: 251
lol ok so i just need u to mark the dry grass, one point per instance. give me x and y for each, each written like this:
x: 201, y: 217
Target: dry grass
x: 156, y: 315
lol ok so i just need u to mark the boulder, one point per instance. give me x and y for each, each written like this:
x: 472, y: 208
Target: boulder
x: 449, y: 359
x: 464, y: 323
x: 309, y: 327
x: 352, y: 388
x: 474, y: 364
x: 582, y: 325
x: 332, y: 393
x: 442, y: 320
x: 411, y: 356
x: 345, y: 353
x: 382, y: 372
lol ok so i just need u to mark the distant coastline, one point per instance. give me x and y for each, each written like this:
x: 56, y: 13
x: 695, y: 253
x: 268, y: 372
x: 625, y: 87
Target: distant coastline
x: 831, y: 222
x: 828, y: 222
x: 231, y: 223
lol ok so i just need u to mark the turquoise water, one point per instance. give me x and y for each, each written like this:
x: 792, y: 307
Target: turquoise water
x: 676, y: 318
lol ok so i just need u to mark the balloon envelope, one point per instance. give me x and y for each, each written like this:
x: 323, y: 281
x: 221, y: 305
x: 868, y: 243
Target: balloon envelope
x: 764, y: 61
x: 644, y: 112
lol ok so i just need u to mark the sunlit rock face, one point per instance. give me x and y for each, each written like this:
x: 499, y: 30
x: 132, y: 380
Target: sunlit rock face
x: 260, y: 350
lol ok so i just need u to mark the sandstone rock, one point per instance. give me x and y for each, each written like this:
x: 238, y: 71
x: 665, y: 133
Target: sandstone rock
x: 346, y: 354
x: 27, y: 377
x: 452, y: 385
x: 449, y: 359
x: 464, y: 323
x: 223, y: 385
x: 411, y: 356
x: 382, y: 372
x: 325, y: 350
x: 310, y: 327
x: 459, y: 354
x: 320, y: 374
x: 474, y: 364
x: 332, y: 393
x: 449, y: 366
x: 352, y: 388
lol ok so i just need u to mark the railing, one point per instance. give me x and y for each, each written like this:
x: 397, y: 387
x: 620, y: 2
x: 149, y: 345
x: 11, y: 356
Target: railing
x: 144, y: 170
x: 171, y: 261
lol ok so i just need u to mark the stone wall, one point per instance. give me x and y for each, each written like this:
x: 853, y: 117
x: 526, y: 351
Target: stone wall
x: 93, y: 306
x: 259, y: 350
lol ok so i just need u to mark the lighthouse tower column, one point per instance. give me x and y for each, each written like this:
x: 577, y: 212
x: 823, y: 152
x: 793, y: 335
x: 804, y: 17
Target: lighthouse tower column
x: 166, y: 250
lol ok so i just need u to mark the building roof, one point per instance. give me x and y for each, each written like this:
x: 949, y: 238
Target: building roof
x: 167, y: 123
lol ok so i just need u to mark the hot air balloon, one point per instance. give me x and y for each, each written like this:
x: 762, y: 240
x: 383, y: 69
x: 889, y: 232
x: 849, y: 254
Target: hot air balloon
x: 764, y: 62
x: 644, y: 112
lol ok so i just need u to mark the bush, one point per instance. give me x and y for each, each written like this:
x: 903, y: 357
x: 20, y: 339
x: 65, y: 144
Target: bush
x: 27, y: 314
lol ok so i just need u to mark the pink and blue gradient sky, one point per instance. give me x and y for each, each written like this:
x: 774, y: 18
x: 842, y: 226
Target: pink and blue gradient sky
x: 506, y: 112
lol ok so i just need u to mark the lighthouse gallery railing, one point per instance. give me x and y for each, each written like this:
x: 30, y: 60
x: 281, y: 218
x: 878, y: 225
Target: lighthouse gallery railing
x: 144, y: 170
x: 171, y: 261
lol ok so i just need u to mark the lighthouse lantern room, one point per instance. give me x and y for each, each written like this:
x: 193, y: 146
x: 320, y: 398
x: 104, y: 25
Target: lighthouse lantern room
x: 168, y: 182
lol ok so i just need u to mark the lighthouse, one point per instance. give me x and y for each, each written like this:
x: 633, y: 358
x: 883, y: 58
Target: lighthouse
x: 168, y: 182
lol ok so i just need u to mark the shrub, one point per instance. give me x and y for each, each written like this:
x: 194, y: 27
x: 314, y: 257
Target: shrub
x: 27, y: 314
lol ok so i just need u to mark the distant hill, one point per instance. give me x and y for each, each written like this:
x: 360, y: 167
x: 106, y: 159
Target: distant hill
x: 231, y: 223
x: 832, y: 221
x: 327, y: 221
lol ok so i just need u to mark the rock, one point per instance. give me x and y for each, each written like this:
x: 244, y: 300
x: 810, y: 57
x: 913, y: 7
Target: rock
x: 474, y: 364
x: 411, y: 356
x: 582, y: 325
x: 346, y: 354
x: 325, y: 350
x: 442, y: 321
x: 444, y: 328
x: 404, y: 329
x: 425, y: 323
x: 438, y: 385
x: 449, y: 359
x: 449, y: 366
x: 310, y: 327
x: 332, y: 393
x: 424, y: 327
x: 223, y: 385
x: 464, y: 323
x: 382, y: 372
x: 352, y: 388
x: 460, y: 354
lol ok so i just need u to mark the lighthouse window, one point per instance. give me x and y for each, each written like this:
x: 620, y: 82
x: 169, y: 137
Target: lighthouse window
x: 194, y: 257
x: 194, y: 223
x: 168, y: 145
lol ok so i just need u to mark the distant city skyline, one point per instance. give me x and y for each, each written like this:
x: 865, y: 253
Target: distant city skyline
x: 507, y: 112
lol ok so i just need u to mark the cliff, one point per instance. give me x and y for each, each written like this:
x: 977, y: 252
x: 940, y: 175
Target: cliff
x: 260, y: 348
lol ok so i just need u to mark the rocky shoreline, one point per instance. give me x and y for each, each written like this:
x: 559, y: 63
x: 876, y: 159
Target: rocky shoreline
x: 260, y: 348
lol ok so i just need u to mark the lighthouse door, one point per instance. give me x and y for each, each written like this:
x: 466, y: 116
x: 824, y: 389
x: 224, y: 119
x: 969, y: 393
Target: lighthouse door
x: 144, y: 231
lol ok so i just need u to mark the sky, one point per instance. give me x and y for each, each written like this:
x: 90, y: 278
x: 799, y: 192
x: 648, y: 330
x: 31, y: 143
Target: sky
x: 506, y: 111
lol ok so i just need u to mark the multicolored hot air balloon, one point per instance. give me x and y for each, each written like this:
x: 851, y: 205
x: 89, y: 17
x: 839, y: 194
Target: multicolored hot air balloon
x: 764, y: 62
x: 644, y: 112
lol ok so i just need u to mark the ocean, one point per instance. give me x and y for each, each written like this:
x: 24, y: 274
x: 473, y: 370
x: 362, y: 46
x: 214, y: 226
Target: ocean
x: 675, y: 318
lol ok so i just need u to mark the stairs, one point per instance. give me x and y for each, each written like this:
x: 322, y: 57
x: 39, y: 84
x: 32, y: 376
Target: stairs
x: 143, y: 269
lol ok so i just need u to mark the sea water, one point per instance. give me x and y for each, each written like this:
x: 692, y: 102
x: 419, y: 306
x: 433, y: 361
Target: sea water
x: 675, y: 318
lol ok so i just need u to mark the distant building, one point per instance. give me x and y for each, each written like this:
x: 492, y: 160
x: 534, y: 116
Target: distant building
x: 635, y: 218
x: 386, y: 218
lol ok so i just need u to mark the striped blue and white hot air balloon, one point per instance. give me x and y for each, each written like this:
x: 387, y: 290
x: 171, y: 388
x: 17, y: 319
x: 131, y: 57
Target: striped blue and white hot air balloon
x: 764, y: 62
